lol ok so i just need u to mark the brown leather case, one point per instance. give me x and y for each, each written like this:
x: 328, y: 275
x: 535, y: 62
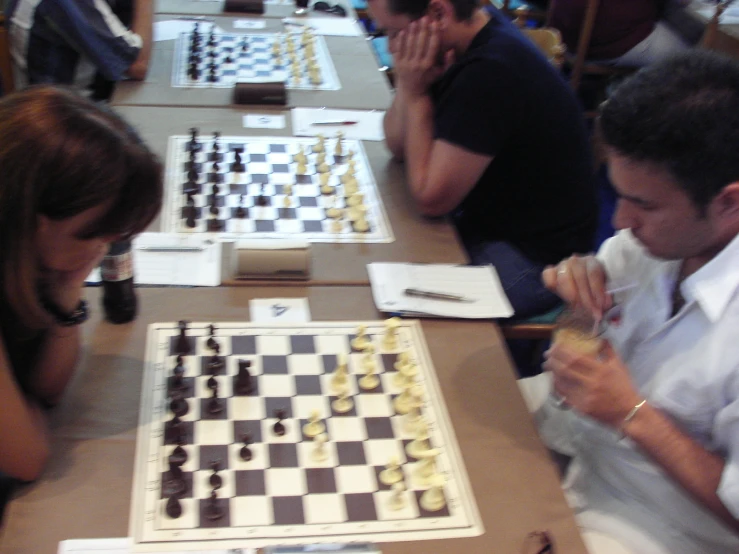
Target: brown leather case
x: 260, y: 93
x: 244, y: 6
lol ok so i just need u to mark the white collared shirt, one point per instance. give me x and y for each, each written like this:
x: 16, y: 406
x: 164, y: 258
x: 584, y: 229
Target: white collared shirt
x: 688, y: 367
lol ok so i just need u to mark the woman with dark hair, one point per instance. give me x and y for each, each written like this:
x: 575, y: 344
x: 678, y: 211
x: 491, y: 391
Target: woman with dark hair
x: 75, y: 177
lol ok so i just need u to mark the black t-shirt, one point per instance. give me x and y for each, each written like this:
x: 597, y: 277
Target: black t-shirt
x: 502, y: 98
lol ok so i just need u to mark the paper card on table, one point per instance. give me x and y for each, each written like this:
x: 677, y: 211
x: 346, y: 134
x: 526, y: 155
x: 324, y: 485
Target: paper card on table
x: 279, y: 310
x: 250, y: 24
x: 355, y: 124
x: 331, y: 26
x: 262, y: 121
x: 479, y: 286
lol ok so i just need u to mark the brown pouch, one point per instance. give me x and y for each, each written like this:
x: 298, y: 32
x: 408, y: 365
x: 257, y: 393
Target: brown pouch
x: 244, y: 6
x: 260, y: 93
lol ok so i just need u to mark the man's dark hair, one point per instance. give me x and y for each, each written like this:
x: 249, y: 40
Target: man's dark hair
x: 415, y: 9
x: 681, y: 114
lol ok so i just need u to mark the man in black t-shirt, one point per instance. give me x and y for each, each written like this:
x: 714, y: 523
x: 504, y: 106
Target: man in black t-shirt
x: 492, y: 136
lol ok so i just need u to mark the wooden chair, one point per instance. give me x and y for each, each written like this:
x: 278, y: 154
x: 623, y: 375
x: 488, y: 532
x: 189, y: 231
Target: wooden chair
x: 549, y: 41
x: 6, y: 63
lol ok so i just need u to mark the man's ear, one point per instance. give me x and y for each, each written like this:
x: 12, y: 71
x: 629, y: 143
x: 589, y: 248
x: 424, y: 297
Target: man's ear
x: 726, y: 204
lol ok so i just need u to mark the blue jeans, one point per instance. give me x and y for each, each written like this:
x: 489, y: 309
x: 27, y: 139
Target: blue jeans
x: 520, y: 277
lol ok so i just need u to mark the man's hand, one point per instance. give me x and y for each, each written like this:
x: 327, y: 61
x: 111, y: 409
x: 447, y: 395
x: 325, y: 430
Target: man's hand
x: 416, y: 53
x: 599, y: 387
x: 581, y: 282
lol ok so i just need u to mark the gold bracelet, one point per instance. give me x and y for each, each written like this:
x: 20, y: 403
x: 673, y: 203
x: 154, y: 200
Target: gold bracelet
x: 630, y: 416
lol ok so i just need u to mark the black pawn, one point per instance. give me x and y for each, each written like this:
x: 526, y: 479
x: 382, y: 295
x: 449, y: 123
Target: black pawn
x: 190, y: 213
x: 173, y: 508
x: 238, y: 165
x: 279, y: 428
x: 262, y: 199
x: 211, y: 342
x: 215, y: 480
x: 245, y: 453
x: 212, y: 76
x: 241, y: 210
x: 214, y: 404
x: 178, y: 382
x: 174, y: 484
x: 178, y: 404
x: 182, y: 345
x: 179, y: 454
x: 212, y: 510
x: 243, y: 378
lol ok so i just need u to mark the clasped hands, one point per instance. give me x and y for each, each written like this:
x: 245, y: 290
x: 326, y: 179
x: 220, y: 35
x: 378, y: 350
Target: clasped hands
x: 418, y: 57
x: 597, y: 386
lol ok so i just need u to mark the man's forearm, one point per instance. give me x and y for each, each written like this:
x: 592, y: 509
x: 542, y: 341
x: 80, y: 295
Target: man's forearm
x: 419, y: 143
x: 394, y: 125
x: 696, y: 469
x: 143, y: 23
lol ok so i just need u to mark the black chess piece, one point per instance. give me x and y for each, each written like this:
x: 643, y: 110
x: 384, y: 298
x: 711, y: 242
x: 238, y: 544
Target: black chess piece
x: 212, y: 75
x: 178, y: 373
x: 178, y: 405
x: 279, y: 428
x: 211, y: 342
x: 182, y: 345
x: 244, y: 46
x: 179, y: 454
x: 245, y: 453
x: 241, y: 212
x: 174, y: 483
x: 244, y: 384
x: 262, y: 199
x: 173, y: 429
x: 212, y: 382
x: 215, y: 362
x: 215, y: 406
x: 214, y: 224
x: 190, y: 213
x: 173, y: 507
x: 238, y: 165
x: 212, y: 510
x: 215, y: 480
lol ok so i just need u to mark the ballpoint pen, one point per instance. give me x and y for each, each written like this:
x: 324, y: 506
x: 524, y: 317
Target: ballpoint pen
x: 433, y: 295
x: 333, y: 123
x: 170, y: 248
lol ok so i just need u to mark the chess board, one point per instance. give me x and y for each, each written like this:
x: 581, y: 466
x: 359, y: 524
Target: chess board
x: 252, y: 59
x: 284, y: 496
x: 269, y: 166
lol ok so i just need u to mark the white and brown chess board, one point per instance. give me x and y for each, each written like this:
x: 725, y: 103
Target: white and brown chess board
x: 252, y: 187
x: 207, y: 59
x: 358, y: 458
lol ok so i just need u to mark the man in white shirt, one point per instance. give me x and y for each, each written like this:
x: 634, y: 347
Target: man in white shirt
x: 653, y: 419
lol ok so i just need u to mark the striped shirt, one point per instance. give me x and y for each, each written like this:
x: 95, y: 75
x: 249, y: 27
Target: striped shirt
x: 69, y: 41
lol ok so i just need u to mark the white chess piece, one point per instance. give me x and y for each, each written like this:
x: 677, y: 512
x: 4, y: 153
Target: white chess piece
x: 340, y: 378
x: 339, y: 148
x: 433, y: 499
x: 361, y: 341
x: 370, y: 380
x: 402, y: 402
x: 319, y: 454
x: 320, y: 145
x: 390, y: 340
x: 343, y: 403
x: 426, y: 468
x: 418, y: 447
x: 315, y: 426
x: 300, y: 157
x: 397, y: 498
x: 392, y: 473
x: 302, y: 169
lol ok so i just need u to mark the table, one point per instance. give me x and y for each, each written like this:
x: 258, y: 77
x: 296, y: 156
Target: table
x: 363, y: 85
x: 277, y: 8
x: 86, y: 489
x: 417, y: 239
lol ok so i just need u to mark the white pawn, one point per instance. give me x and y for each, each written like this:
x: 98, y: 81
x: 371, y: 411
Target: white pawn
x: 361, y: 341
x: 390, y: 340
x: 397, y: 499
x: 300, y: 157
x: 355, y: 199
x: 433, y: 499
x: 339, y: 148
x: 320, y: 158
x: 302, y: 169
x: 340, y: 377
x: 315, y: 77
x: 337, y: 226
x: 402, y: 402
x: 323, y: 179
x: 320, y: 145
x: 319, y: 453
x: 333, y: 212
x: 286, y: 202
x: 361, y: 225
x: 343, y: 403
x: 426, y: 468
x: 315, y: 426
x: 392, y: 473
x: 370, y: 380
x: 323, y: 168
x: 417, y: 448
x: 351, y: 187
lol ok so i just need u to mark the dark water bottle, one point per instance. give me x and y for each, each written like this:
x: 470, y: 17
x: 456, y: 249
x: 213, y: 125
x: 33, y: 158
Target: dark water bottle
x: 119, y: 296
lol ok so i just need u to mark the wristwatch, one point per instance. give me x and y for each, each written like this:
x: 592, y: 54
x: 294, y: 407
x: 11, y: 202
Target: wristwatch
x: 77, y: 316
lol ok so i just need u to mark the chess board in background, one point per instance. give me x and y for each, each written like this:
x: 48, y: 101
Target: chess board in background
x: 252, y: 59
x: 282, y: 495
x: 269, y: 166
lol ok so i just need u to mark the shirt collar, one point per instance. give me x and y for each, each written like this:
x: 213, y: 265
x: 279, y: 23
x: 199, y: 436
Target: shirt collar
x: 715, y: 284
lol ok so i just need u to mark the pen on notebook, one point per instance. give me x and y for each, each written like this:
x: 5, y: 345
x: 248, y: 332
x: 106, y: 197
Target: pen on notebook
x: 333, y: 123
x: 434, y: 295
x: 170, y: 248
